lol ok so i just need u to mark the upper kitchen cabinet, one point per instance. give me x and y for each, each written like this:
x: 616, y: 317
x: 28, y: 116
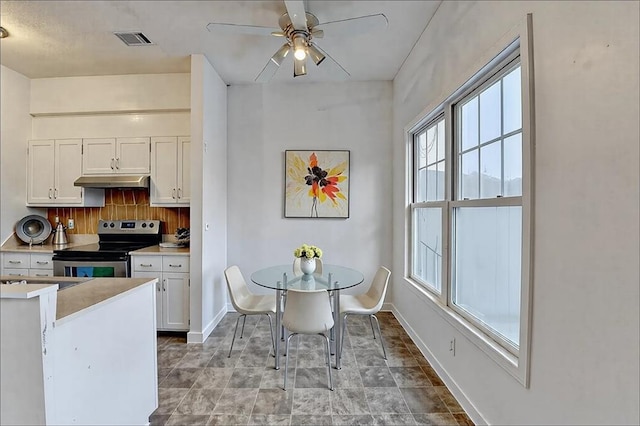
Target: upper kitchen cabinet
x: 53, y: 166
x: 115, y: 155
x: 170, y: 171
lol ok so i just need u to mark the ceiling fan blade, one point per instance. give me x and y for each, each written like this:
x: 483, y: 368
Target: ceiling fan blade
x: 317, y: 33
x: 331, y: 60
x: 218, y: 27
x: 273, y: 64
x: 297, y: 14
x: 354, y: 26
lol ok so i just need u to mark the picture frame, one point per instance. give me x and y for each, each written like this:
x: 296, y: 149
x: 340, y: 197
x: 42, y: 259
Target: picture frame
x: 317, y: 184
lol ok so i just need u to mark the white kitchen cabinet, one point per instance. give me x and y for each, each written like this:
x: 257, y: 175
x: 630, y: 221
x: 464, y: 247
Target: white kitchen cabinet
x: 170, y: 171
x: 53, y: 166
x: 104, y: 156
x: 20, y: 264
x: 172, y: 289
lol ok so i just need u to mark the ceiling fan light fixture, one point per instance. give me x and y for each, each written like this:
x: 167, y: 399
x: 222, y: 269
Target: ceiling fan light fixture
x: 299, y: 46
x: 281, y: 54
x: 316, y: 55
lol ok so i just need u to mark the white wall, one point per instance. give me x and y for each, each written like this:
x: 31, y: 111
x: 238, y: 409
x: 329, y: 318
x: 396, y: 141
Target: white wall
x: 585, y: 345
x: 209, y: 198
x: 15, y: 131
x: 266, y: 120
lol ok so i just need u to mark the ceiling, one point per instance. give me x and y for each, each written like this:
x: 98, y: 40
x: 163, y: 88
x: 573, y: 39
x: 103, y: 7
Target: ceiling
x: 75, y: 38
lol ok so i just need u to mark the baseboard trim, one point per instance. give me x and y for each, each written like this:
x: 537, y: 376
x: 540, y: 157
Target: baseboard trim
x: 200, y: 337
x: 468, y: 407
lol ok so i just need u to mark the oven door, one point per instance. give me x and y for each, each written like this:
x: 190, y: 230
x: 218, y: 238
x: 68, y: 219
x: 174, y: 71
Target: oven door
x: 91, y: 268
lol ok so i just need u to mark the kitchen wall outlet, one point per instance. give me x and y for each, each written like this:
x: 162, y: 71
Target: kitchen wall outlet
x: 71, y: 224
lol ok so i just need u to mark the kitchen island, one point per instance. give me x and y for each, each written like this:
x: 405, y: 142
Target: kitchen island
x: 84, y: 354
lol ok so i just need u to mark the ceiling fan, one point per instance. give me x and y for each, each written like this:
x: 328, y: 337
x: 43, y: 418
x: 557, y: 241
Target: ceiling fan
x: 299, y: 28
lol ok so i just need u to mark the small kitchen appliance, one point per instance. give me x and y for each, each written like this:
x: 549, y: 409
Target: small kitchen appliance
x: 110, y: 256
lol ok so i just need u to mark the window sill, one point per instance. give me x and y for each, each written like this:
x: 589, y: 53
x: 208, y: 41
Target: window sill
x: 505, y: 359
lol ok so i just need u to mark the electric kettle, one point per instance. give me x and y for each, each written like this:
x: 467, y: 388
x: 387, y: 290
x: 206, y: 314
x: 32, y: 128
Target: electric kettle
x: 60, y: 236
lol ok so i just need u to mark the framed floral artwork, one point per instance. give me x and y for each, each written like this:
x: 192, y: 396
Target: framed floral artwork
x: 316, y: 184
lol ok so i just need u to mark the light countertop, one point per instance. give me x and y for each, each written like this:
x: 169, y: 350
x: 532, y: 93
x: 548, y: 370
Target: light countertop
x: 71, y: 300
x: 157, y: 250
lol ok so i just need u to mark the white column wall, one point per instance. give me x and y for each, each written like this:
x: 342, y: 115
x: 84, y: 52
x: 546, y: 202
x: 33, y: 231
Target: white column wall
x: 266, y: 120
x: 15, y: 131
x: 209, y: 198
x: 585, y: 345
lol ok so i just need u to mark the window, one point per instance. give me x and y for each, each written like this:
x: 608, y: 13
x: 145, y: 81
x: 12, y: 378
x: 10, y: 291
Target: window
x: 469, y: 234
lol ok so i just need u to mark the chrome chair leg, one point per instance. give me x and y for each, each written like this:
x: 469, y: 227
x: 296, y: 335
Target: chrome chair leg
x: 371, y: 322
x: 286, y: 362
x: 328, y: 352
x: 344, y: 327
x: 273, y: 343
x: 235, y: 331
x: 380, y: 333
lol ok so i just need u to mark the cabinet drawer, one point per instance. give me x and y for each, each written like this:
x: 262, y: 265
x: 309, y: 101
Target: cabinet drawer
x: 16, y: 272
x: 147, y: 263
x: 15, y: 260
x: 175, y: 263
x: 41, y: 272
x: 41, y: 261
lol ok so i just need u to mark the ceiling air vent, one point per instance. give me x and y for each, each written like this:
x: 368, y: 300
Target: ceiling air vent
x: 134, y: 39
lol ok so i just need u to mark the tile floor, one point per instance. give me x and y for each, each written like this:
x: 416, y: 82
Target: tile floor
x: 199, y: 385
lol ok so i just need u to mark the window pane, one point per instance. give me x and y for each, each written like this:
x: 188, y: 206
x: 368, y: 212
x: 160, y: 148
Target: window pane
x: 441, y: 175
x: 490, y: 113
x: 512, y: 100
x: 432, y: 144
x: 490, y: 170
x: 469, y: 175
x: 486, y: 283
x: 513, y: 165
x: 421, y: 185
x: 427, y: 246
x: 469, y: 124
x: 432, y: 176
x: 422, y: 150
x: 441, y: 140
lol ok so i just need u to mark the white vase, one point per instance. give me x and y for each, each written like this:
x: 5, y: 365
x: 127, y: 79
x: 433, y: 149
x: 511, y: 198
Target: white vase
x: 307, y: 266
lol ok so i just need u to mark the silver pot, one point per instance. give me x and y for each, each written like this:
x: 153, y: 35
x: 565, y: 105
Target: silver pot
x: 60, y: 236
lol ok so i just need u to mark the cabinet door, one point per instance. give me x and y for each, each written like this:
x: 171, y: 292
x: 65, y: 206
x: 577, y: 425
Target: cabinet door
x: 163, y: 171
x: 159, y: 293
x: 175, y: 301
x: 132, y: 156
x: 184, y: 170
x: 40, y: 172
x: 99, y: 156
x: 68, y: 161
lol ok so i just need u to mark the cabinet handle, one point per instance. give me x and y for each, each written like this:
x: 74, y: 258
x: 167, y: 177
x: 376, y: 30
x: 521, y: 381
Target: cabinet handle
x: 55, y: 193
x: 42, y: 275
x: 50, y: 196
x: 16, y: 275
x: 179, y: 193
x: 173, y: 194
x: 40, y: 262
x: 113, y: 164
x: 176, y: 266
x: 163, y: 285
x: 15, y: 261
x: 158, y: 286
x: 117, y: 163
x: 146, y: 265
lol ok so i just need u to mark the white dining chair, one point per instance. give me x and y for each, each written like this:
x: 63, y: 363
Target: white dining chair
x: 298, y: 271
x: 308, y: 312
x: 247, y: 303
x: 368, y: 303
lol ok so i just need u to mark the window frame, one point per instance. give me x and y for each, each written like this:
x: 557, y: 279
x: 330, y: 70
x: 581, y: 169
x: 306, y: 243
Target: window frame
x: 519, y: 46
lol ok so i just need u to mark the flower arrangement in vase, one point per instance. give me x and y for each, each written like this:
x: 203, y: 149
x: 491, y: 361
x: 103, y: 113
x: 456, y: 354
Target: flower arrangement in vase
x: 308, y: 255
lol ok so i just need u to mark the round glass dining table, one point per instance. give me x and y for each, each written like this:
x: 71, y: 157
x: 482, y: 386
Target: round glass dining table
x: 333, y: 278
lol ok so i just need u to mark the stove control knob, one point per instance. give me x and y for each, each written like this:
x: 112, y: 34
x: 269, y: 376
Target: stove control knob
x: 112, y: 225
x: 144, y: 225
x: 104, y: 225
x: 151, y: 225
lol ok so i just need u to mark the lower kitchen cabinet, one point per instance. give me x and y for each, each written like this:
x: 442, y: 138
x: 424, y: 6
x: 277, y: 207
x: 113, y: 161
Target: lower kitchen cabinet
x: 20, y: 264
x: 172, y: 289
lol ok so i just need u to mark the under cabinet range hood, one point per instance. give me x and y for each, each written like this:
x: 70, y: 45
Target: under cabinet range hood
x: 113, y: 181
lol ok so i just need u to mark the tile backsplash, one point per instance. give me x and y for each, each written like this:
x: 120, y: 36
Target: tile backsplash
x: 121, y: 204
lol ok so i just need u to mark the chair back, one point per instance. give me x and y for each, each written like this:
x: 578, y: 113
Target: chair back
x: 378, y: 288
x: 308, y: 312
x: 298, y: 271
x: 238, y: 289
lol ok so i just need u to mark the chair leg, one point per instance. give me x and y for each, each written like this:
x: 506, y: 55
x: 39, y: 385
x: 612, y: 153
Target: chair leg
x: 328, y: 352
x: 243, y: 321
x: 371, y: 322
x: 273, y: 343
x: 234, y: 334
x: 380, y: 333
x: 286, y: 362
